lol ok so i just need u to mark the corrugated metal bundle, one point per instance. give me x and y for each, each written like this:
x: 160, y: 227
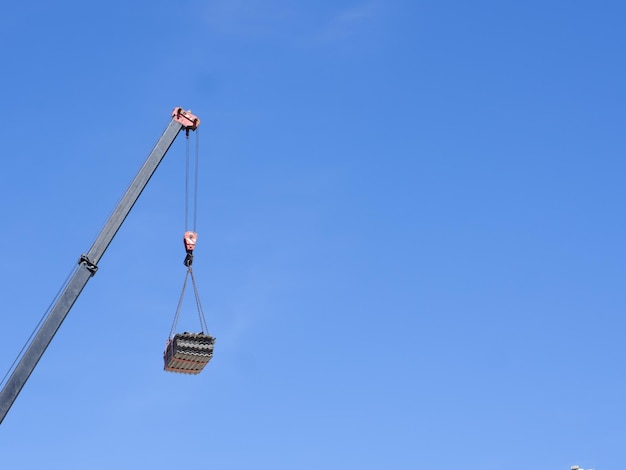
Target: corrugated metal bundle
x: 188, y: 353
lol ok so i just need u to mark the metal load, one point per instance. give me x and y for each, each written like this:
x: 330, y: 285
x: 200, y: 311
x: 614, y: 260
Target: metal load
x: 188, y: 353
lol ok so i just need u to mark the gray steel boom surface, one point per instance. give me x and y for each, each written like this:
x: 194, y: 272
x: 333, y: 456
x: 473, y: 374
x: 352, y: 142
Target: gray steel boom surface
x: 86, y: 268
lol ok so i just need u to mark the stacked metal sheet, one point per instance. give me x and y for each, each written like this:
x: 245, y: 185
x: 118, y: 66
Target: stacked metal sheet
x: 188, y: 353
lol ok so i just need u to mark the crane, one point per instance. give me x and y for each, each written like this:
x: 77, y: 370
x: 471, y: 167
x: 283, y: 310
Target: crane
x: 88, y: 263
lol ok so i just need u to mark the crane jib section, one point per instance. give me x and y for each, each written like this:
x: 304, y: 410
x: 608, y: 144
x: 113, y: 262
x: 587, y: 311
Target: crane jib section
x: 88, y: 263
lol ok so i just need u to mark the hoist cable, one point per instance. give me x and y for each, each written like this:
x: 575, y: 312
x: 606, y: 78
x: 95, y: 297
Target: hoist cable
x: 187, y: 182
x: 188, y: 197
x: 194, y: 202
x: 195, y: 189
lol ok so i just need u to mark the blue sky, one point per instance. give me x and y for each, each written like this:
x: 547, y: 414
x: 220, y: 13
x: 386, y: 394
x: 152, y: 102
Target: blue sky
x: 410, y: 233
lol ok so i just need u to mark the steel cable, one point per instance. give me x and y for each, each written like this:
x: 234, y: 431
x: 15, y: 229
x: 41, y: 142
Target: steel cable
x: 195, y: 189
x: 187, y: 182
x: 203, y: 323
x: 180, y: 304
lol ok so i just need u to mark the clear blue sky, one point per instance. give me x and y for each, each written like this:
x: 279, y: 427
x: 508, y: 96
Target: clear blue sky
x: 411, y: 233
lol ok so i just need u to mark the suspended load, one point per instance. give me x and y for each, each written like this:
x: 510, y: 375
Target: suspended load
x: 188, y: 353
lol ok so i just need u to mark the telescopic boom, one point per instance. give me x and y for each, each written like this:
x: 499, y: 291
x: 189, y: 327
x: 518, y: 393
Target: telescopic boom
x: 88, y: 263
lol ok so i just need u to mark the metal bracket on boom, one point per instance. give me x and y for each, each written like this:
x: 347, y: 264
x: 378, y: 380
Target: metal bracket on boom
x: 188, y: 120
x: 91, y: 267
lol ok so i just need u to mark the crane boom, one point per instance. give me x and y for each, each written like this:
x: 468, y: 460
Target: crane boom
x: 88, y: 263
